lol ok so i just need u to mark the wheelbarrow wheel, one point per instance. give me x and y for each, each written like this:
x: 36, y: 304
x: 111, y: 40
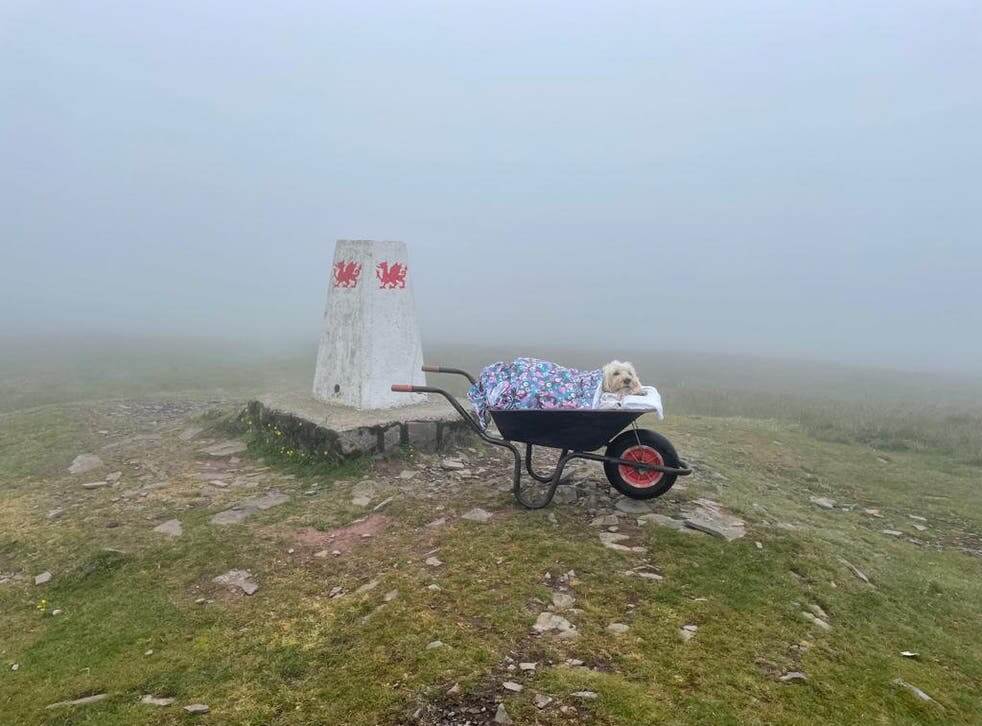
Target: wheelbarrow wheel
x: 646, y: 447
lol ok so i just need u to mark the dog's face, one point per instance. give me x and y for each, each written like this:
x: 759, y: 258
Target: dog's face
x: 621, y: 378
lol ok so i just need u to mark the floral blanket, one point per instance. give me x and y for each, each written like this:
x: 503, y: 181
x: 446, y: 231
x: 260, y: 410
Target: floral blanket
x: 528, y: 383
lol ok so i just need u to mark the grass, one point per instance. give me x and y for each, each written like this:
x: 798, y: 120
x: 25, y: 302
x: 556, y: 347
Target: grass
x: 292, y: 654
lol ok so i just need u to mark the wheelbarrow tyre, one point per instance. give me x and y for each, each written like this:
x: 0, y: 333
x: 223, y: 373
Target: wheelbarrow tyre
x: 652, y: 449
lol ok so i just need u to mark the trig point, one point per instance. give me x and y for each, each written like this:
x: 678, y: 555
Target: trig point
x: 370, y: 338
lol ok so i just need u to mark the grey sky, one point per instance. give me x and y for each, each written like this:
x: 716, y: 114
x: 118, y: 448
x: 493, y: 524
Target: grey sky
x: 772, y: 177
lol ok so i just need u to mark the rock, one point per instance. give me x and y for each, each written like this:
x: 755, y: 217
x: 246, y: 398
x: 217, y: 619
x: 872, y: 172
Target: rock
x: 267, y: 501
x: 361, y: 501
x: 541, y: 700
x: 95, y: 484
x: 57, y: 611
x: 792, y: 677
x: 84, y: 463
x: 892, y: 532
x: 661, y: 520
x: 562, y: 600
x: 383, y: 504
x: 241, y: 579
x: 218, y: 483
x: 819, y: 613
x: 618, y: 628
x: 823, y: 502
x: 80, y: 701
x: 873, y: 513
x: 367, y: 587
x: 917, y: 517
x: 407, y: 474
x: 172, y: 528
x: 231, y: 516
x: 433, y: 645
x: 758, y: 545
x: 190, y: 432
x: 586, y: 695
x: 114, y: 477
x: 155, y: 701
x: 920, y: 527
x: 565, y: 495
x: 336, y: 591
x: 815, y: 620
x: 606, y: 520
x: 247, y: 508
x: 197, y: 709
x: 361, y: 440
x: 855, y: 570
x: 909, y: 654
x: 453, y: 690
x: 710, y: 517
x: 913, y: 689
x: 633, y: 506
x: 548, y: 621
x: 422, y: 435
x: 501, y: 715
x: 653, y: 576
x: 610, y: 540
x: 451, y: 465
x: 513, y: 687
x: 438, y: 522
x: 433, y: 587
x: 527, y: 666
x: 688, y: 632
x: 433, y: 561
x: 391, y: 595
x: 477, y: 515
x: 225, y: 448
x: 56, y: 513
x: 43, y: 578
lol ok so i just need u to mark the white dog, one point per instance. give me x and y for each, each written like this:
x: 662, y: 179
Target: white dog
x: 621, y: 379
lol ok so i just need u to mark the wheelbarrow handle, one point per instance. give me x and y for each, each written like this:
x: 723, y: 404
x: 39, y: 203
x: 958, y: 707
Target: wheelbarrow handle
x: 403, y: 388
x: 454, y: 371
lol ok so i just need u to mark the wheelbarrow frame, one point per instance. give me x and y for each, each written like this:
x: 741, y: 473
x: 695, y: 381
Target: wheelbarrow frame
x: 619, y: 418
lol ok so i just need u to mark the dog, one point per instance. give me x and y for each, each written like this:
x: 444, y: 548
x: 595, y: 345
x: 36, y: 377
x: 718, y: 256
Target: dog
x: 621, y: 379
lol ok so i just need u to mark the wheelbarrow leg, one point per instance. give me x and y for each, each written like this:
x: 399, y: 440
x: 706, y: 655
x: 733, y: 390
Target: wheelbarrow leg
x: 553, y: 482
x: 528, y: 466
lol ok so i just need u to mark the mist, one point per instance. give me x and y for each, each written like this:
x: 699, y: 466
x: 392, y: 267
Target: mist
x: 765, y: 178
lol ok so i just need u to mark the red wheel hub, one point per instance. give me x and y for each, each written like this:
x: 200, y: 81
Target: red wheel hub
x: 641, y: 477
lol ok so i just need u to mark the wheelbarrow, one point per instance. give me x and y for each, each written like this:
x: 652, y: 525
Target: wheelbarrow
x: 639, y: 463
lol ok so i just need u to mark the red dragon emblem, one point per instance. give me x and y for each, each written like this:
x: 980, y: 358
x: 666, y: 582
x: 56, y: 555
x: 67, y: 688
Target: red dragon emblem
x: 391, y: 277
x: 346, y: 273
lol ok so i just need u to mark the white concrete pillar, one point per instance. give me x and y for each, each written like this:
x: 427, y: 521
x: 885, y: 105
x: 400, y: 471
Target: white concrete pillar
x: 370, y: 337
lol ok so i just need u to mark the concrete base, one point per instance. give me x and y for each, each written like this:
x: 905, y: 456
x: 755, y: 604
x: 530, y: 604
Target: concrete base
x: 340, y: 432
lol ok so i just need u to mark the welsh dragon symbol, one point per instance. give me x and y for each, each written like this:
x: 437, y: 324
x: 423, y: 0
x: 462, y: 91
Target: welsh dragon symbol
x: 346, y: 273
x: 391, y: 277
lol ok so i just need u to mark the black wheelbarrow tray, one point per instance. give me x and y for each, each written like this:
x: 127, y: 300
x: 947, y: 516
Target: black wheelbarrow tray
x: 639, y: 463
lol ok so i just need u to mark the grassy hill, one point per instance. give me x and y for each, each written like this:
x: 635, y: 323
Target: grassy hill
x: 424, y: 621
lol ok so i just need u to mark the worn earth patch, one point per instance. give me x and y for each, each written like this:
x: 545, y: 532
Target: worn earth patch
x: 344, y: 538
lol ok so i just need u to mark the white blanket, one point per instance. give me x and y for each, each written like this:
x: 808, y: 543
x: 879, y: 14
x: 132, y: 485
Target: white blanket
x: 649, y: 398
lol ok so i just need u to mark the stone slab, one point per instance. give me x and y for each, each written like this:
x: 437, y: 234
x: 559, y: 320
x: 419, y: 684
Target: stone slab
x: 340, y: 432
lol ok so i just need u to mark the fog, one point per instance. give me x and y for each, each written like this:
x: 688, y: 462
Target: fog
x: 766, y: 178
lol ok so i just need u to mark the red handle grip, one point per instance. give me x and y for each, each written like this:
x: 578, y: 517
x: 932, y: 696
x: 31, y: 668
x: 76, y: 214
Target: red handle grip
x: 402, y: 388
